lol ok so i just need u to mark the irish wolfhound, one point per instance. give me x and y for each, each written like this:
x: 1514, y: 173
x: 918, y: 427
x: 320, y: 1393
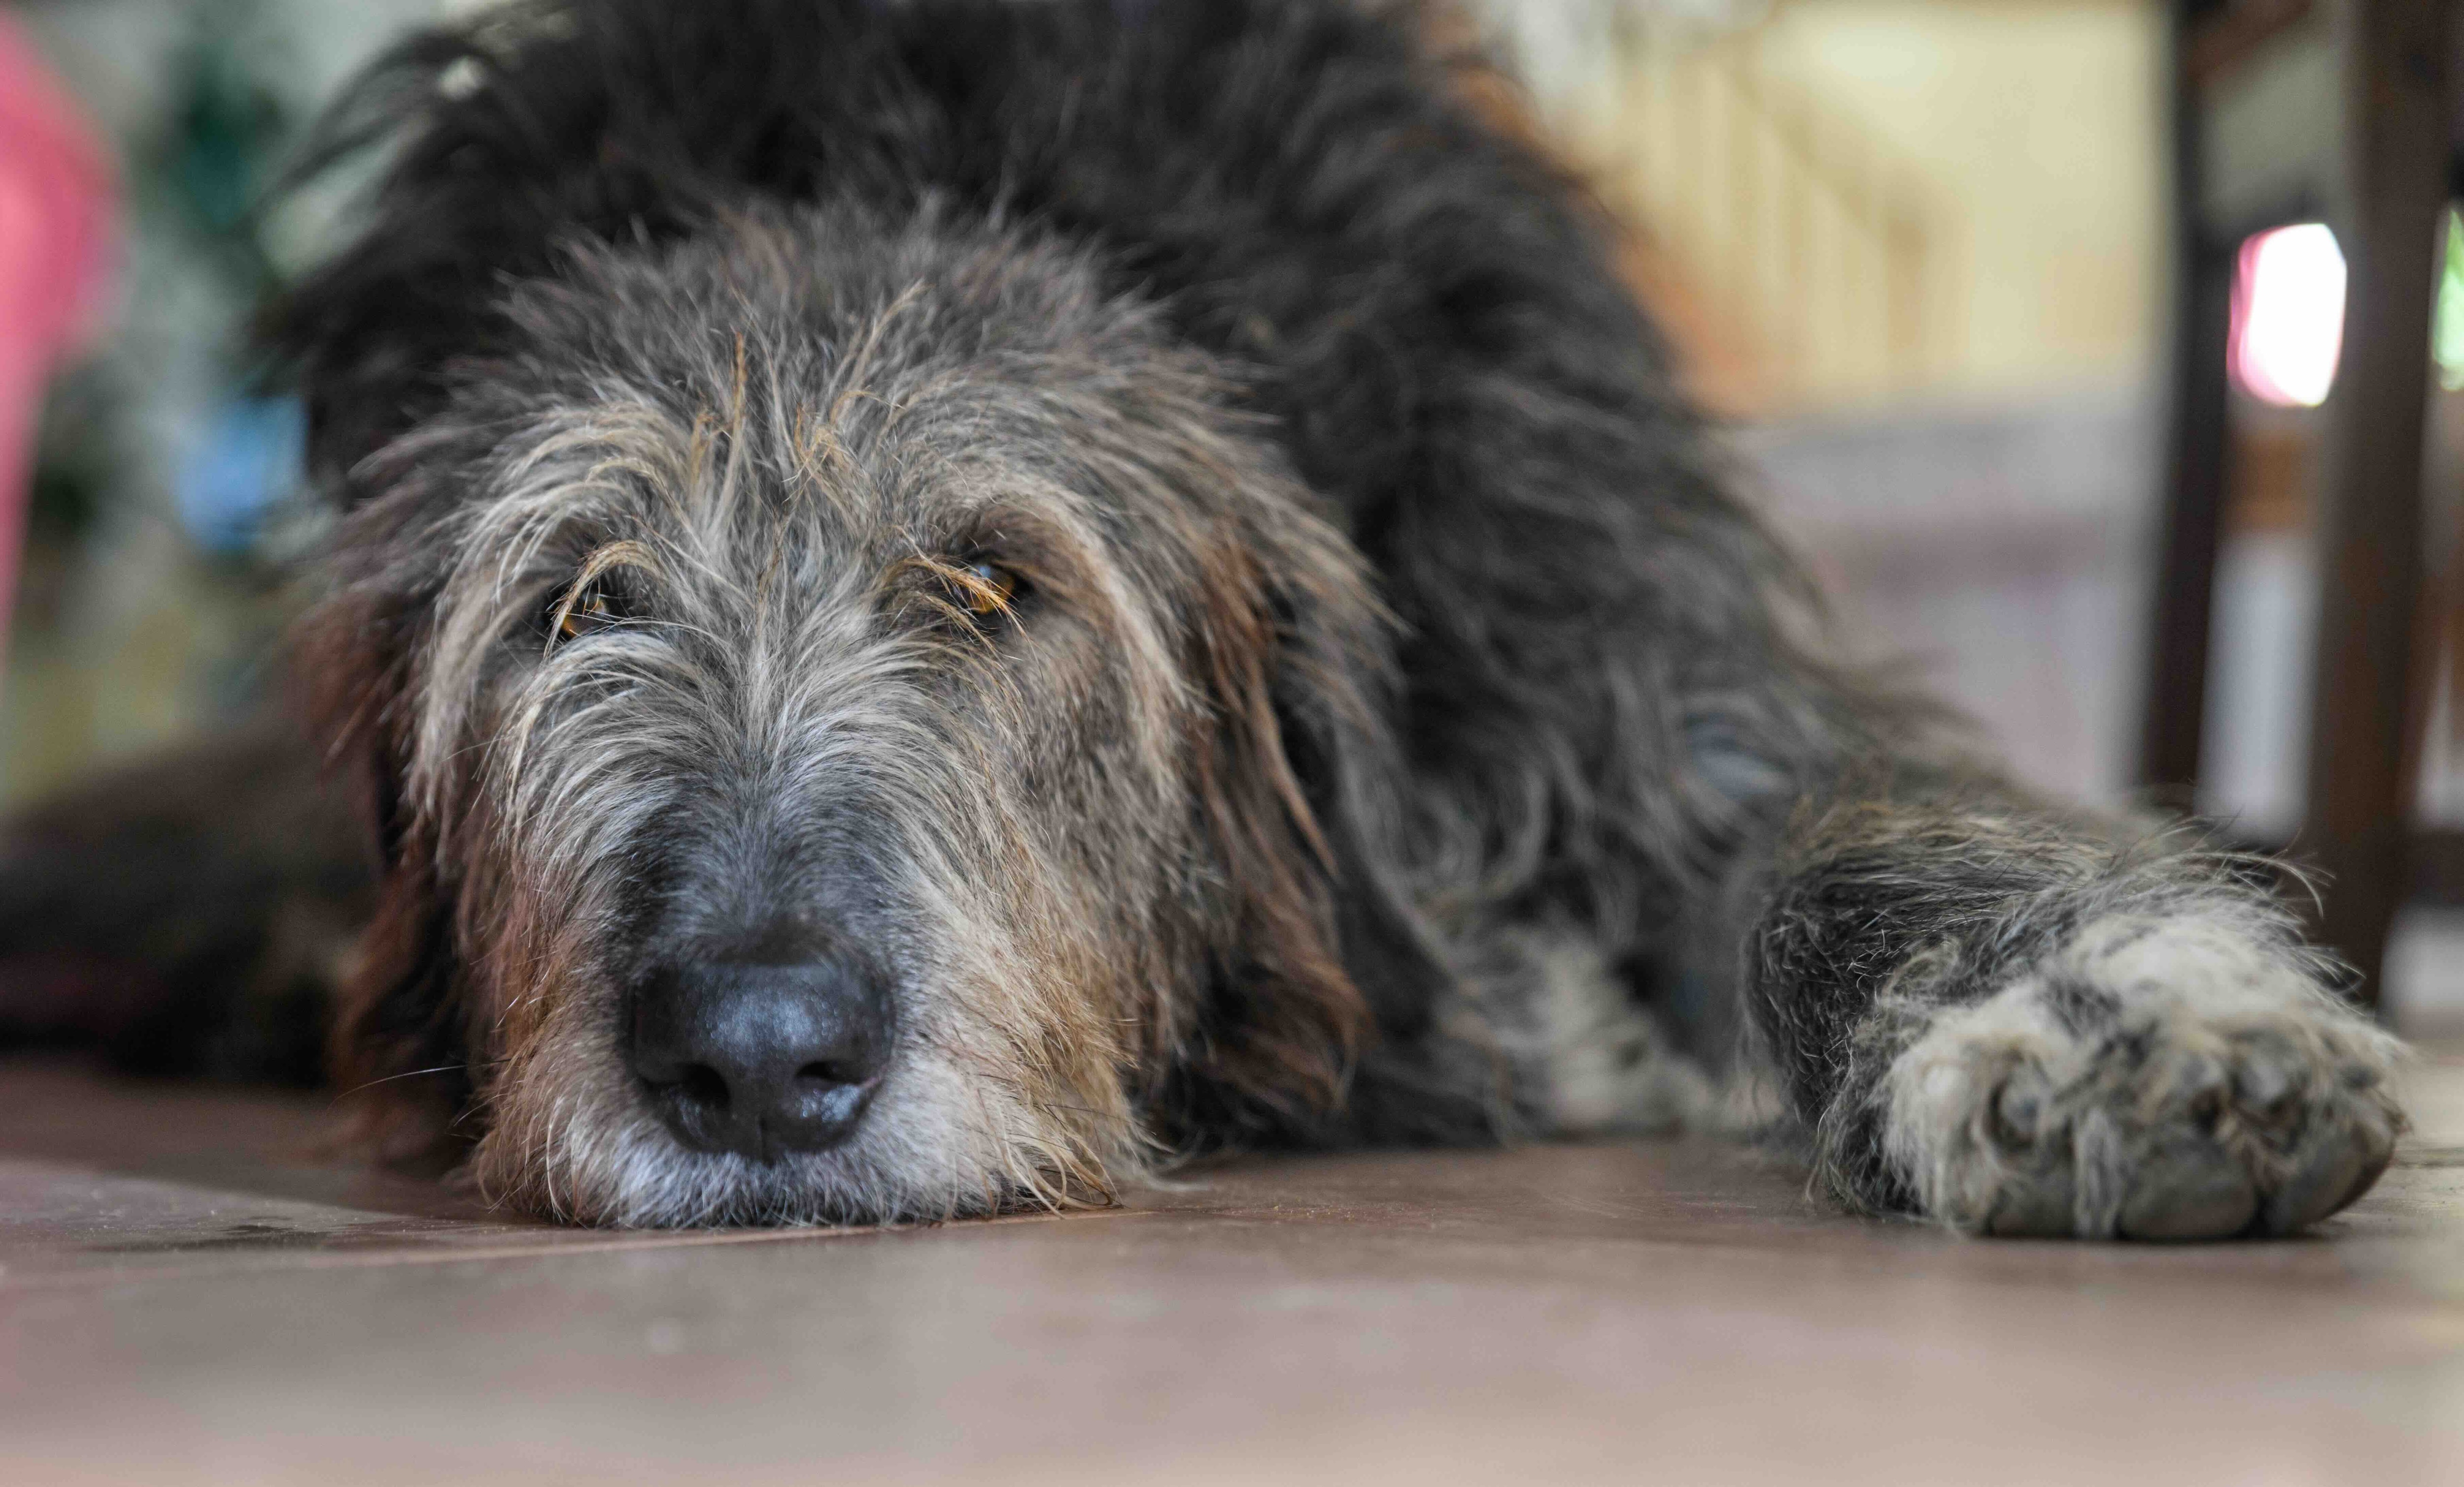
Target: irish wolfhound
x: 936, y: 602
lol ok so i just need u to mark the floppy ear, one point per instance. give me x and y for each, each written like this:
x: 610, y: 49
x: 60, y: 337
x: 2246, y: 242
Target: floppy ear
x: 398, y: 1050
x: 1318, y: 960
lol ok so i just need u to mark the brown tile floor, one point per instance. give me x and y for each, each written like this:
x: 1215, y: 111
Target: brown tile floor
x: 187, y: 1293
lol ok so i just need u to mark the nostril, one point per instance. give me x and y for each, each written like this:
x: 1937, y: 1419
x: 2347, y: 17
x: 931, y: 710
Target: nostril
x: 831, y: 1072
x: 698, y: 1084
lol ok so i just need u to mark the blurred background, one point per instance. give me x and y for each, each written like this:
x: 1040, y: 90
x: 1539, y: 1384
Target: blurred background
x: 1934, y: 264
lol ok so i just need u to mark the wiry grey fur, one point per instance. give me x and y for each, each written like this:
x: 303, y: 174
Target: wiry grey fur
x: 780, y: 433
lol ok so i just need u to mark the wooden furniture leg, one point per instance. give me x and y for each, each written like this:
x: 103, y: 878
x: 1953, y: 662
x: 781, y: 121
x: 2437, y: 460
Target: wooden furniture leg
x: 2173, y: 715
x: 2395, y: 68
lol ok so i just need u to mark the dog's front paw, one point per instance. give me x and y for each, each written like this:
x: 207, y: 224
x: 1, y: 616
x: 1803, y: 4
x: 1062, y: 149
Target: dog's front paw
x: 2176, y: 1079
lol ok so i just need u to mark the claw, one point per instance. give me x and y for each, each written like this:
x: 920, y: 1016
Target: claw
x: 2265, y: 1085
x: 2019, y: 1109
x: 2205, y: 1089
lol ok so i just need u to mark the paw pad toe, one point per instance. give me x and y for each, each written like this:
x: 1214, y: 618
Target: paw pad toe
x: 2038, y: 1209
x: 2330, y: 1173
x: 2193, y: 1190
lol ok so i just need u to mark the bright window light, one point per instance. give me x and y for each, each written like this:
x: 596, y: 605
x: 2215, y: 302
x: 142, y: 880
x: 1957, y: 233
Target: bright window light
x: 2288, y: 314
x: 2447, y: 336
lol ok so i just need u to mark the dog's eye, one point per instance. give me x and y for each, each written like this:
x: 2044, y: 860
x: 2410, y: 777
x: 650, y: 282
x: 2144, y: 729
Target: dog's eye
x: 985, y: 589
x: 584, y: 612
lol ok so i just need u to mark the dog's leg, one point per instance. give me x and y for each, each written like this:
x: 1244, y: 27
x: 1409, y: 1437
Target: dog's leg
x: 2023, y: 1026
x: 189, y: 913
x: 1565, y: 1035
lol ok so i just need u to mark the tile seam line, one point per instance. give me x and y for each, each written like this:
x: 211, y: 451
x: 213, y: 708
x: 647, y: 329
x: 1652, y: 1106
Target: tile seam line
x: 273, y: 1260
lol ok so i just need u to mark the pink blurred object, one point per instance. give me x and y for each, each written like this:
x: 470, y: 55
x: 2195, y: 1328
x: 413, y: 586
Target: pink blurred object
x: 56, y: 224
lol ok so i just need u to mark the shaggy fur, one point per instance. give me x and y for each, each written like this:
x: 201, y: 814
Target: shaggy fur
x: 1386, y: 727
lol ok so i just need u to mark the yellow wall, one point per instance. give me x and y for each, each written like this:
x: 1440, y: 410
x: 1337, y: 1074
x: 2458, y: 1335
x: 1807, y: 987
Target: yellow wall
x: 2037, y: 128
x: 2017, y: 146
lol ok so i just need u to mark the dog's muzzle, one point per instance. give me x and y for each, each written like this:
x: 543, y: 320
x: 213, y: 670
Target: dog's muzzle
x: 761, y: 1059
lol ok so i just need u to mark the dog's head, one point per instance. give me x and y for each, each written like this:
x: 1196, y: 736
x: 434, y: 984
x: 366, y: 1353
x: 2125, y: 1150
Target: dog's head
x: 850, y: 713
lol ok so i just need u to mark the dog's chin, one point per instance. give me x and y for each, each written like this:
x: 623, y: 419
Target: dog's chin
x: 588, y: 1149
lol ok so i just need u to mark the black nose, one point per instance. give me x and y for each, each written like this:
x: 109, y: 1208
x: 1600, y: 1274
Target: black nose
x: 761, y: 1059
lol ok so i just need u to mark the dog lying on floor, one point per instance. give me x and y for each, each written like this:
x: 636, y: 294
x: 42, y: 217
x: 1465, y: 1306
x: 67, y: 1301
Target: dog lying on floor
x: 934, y: 603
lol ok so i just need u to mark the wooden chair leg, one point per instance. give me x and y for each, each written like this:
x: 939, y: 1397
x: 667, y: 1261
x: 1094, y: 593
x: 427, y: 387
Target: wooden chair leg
x: 2198, y: 475
x: 2173, y: 710
x: 2395, y: 80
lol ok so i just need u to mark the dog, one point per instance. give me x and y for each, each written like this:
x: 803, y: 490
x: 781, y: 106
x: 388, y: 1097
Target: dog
x: 933, y: 604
